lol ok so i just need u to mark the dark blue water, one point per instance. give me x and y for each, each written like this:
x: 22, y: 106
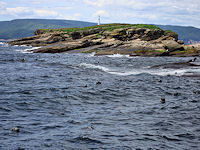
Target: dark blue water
x: 46, y: 97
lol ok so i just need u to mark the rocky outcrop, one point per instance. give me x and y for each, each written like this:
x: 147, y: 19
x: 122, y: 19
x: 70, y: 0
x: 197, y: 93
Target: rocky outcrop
x: 123, y: 40
x: 62, y: 47
x: 171, y: 45
x: 80, y: 34
x: 152, y: 35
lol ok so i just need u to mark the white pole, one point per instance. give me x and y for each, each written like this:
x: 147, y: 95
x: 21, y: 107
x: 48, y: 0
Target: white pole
x: 99, y: 21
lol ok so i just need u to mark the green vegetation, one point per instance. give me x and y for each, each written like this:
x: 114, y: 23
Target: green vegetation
x: 146, y: 26
x: 156, y: 51
x: 191, y: 51
x: 160, y: 50
x: 171, y: 33
x: 168, y: 31
x: 104, y: 27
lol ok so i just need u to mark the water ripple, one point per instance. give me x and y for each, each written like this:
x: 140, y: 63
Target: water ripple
x: 56, y: 103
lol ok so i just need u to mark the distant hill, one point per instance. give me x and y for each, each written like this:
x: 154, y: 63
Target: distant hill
x: 187, y: 34
x: 25, y: 27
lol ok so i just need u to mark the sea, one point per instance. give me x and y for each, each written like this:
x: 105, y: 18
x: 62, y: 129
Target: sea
x: 82, y: 101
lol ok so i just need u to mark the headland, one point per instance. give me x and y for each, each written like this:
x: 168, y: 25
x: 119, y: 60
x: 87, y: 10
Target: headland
x: 108, y: 39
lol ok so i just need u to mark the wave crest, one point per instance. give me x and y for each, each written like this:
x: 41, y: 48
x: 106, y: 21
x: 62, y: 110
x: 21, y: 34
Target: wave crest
x: 118, y: 56
x: 3, y: 44
x: 159, y: 72
x: 28, y: 50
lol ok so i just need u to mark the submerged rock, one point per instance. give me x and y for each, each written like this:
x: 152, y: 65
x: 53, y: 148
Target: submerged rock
x: 178, y: 65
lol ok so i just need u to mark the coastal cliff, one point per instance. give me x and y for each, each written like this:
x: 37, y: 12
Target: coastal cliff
x: 134, y: 40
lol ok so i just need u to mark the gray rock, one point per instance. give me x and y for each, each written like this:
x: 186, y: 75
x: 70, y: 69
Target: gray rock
x: 152, y: 35
x: 91, y: 31
x: 180, y: 42
x: 76, y: 35
x: 172, y: 45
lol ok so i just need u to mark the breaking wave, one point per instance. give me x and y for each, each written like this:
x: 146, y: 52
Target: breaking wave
x: 91, y: 54
x: 3, y: 44
x: 21, y: 46
x: 95, y: 67
x: 159, y: 72
x: 28, y: 50
x: 117, y: 56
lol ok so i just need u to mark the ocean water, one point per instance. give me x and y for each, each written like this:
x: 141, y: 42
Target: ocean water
x: 55, y: 102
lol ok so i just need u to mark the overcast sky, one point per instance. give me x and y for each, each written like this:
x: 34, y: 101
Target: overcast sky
x: 170, y: 12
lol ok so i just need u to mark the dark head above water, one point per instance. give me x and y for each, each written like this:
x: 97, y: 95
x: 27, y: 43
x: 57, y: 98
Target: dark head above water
x: 192, y: 60
x: 162, y: 100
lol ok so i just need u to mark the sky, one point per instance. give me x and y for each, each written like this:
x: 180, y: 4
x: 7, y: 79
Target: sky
x: 165, y: 12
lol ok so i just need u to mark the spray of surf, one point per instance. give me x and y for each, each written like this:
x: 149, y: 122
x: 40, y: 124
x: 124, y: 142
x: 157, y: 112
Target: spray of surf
x: 159, y: 72
x: 28, y: 50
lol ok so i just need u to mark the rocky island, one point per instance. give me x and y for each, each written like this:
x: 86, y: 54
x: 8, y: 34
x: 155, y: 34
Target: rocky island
x: 108, y: 39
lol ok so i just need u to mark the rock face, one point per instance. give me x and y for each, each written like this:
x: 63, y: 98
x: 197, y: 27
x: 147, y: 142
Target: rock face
x: 123, y: 40
x: 171, y: 45
x: 152, y: 35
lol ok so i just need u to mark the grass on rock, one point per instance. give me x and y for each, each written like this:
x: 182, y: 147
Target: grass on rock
x: 104, y: 27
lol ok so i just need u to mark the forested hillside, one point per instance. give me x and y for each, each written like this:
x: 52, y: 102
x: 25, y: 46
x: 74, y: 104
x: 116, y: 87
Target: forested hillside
x: 25, y: 27
x: 187, y: 34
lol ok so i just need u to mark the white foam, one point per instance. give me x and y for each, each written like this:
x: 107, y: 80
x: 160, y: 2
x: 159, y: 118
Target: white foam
x: 166, y: 72
x: 159, y: 72
x: 117, y: 56
x: 22, y: 46
x: 111, y: 71
x: 91, y: 54
x: 3, y: 44
x: 28, y: 50
x: 94, y: 67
